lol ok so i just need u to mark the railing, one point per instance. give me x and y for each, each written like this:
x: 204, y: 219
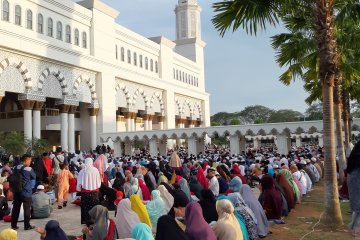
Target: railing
x: 12, y: 114
x: 50, y: 112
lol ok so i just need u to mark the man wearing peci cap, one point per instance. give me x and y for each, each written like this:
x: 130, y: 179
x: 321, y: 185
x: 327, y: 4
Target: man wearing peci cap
x: 40, y: 203
x: 213, y: 181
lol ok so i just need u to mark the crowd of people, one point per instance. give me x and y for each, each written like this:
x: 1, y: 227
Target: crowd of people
x: 214, y: 195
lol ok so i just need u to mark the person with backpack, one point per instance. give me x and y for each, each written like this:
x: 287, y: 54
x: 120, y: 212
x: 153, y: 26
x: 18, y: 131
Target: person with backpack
x: 58, y: 161
x: 22, y: 182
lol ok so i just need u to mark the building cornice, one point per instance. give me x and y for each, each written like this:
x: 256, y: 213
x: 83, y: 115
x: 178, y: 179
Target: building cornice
x: 100, y: 6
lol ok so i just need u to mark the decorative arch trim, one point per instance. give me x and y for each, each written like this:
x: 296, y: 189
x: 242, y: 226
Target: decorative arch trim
x: 141, y: 93
x: 86, y: 79
x: 125, y: 90
x: 21, y: 67
x: 59, y: 76
x: 159, y: 98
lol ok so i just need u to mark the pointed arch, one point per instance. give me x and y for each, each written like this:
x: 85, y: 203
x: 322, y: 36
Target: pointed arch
x: 21, y: 67
x: 179, y: 106
x: 125, y: 90
x: 187, y: 104
x: 157, y: 96
x: 197, y: 108
x: 58, y: 75
x: 140, y: 92
x: 86, y: 79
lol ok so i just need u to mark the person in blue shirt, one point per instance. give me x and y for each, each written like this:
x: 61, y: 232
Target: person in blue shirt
x: 24, y: 197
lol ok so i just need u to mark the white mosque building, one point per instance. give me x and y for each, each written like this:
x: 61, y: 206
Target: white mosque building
x: 69, y: 73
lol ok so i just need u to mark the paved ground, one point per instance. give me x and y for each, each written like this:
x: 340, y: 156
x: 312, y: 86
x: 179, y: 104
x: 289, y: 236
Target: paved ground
x: 68, y: 217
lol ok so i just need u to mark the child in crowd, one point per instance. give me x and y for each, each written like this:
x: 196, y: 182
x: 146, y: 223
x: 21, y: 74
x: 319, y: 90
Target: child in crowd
x: 64, y: 184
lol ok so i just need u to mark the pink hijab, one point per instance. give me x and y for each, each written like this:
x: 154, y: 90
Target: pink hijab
x: 99, y: 164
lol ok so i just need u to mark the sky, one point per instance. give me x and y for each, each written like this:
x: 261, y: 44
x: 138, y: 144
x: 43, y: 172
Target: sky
x: 240, y: 70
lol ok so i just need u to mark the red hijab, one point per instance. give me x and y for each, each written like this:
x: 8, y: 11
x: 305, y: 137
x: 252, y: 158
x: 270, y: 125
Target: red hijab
x: 202, y: 179
x: 145, y: 191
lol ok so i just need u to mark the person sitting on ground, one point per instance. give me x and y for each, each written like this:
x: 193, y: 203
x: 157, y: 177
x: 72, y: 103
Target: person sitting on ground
x: 4, y: 207
x: 52, y: 231
x: 40, y: 203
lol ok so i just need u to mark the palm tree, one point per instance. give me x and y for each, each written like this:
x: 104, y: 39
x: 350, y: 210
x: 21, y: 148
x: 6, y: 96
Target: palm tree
x: 252, y: 15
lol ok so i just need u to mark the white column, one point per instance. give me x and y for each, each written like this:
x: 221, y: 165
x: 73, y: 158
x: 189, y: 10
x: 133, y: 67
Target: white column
x: 28, y: 123
x: 321, y: 141
x: 200, y: 145
x: 36, y: 123
x: 162, y: 147
x: 118, y: 123
x: 161, y: 125
x: 71, y: 126
x: 153, y: 149
x: 234, y: 144
x: 192, y: 146
x: 298, y: 140
x: 256, y: 142
x: 132, y: 124
x: 64, y: 130
x: 150, y: 124
x: 146, y: 125
x: 128, y: 124
x: 117, y: 149
x: 161, y: 122
x: 283, y: 143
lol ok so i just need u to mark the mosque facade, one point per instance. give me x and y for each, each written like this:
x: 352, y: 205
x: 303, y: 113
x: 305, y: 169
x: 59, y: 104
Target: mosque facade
x: 69, y: 73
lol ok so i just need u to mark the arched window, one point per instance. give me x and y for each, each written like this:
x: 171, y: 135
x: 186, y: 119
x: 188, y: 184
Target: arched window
x: 177, y: 74
x: 180, y: 76
x: 174, y: 73
x: 128, y: 56
x: 116, y: 52
x: 156, y: 67
x: 29, y: 19
x: 40, y: 23
x: 140, y: 61
x: 68, y: 34
x: 59, y: 30
x: 135, y: 59
x: 151, y: 65
x: 5, y: 11
x: 146, y: 63
x: 84, y: 40
x: 183, y: 77
x: 18, y: 15
x: 122, y: 54
x: 50, y: 27
x: 76, y: 33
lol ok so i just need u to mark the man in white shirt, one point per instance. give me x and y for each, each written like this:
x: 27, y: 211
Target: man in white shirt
x: 213, y: 181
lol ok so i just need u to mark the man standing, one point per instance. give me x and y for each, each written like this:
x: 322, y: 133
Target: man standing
x: 41, y: 203
x: 24, y: 196
x: 213, y: 181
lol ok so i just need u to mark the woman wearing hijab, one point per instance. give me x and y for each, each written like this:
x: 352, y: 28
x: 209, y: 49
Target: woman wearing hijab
x: 88, y: 183
x: 185, y: 187
x: 208, y: 205
x: 166, y: 197
x: 9, y: 234
x: 167, y: 228
x: 246, y: 213
x: 142, y: 232
x: 100, y: 164
x: 155, y: 208
x: 223, y: 181
x: 196, y: 226
x: 52, y: 231
x: 135, y: 188
x: 169, y: 187
x: 235, y: 184
x: 162, y: 178
x: 227, y: 226
x: 353, y: 170
x: 138, y: 207
x: 126, y: 219
x: 255, y: 206
x: 200, y: 176
x: 195, y: 187
x: 288, y: 191
x: 288, y: 176
x: 175, y: 162
x: 119, y: 182
x: 103, y: 228
x: 271, y: 201
x: 144, y: 190
x: 240, y: 219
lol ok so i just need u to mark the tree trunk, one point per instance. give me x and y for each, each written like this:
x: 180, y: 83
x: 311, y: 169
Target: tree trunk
x: 346, y: 117
x: 328, y: 62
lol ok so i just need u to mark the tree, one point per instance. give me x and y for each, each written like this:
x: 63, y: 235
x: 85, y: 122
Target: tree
x: 235, y: 121
x: 252, y: 15
x: 285, y: 115
x: 15, y: 143
x: 252, y: 113
x: 314, y: 112
x: 214, y: 124
x: 39, y: 146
